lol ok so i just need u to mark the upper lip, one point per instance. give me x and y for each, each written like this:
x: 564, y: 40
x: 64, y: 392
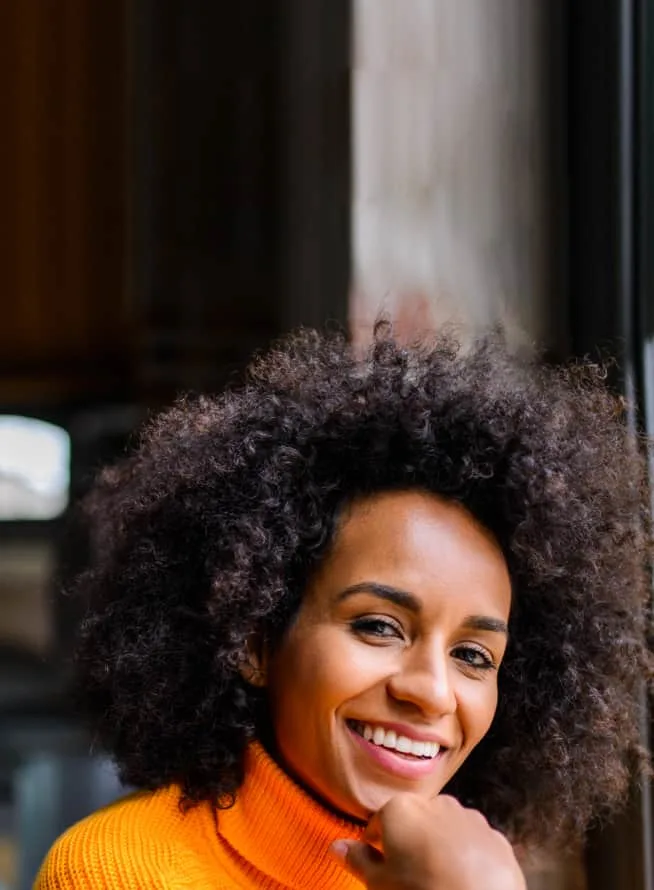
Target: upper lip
x: 411, y: 732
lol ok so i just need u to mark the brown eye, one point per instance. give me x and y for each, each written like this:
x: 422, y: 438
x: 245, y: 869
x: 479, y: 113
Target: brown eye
x: 474, y: 657
x: 376, y: 627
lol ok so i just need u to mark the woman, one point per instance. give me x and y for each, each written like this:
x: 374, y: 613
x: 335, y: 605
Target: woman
x: 365, y: 619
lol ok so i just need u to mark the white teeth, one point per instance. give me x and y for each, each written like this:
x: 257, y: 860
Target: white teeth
x: 390, y: 739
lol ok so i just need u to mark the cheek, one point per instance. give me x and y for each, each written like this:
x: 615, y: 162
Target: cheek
x: 321, y: 671
x: 477, y: 709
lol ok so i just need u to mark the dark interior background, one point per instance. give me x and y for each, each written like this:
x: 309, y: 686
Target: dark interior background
x: 176, y: 189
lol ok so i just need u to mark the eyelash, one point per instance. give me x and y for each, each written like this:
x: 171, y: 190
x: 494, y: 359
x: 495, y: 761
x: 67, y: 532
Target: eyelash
x: 367, y: 625
x: 486, y: 663
x: 372, y: 626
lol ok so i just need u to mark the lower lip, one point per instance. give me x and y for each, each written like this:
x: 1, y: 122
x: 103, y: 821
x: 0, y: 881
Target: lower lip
x: 395, y: 763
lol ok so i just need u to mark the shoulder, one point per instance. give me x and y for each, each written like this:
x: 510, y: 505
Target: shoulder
x: 143, y: 841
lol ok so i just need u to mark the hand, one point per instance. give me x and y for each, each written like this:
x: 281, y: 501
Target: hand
x: 413, y: 843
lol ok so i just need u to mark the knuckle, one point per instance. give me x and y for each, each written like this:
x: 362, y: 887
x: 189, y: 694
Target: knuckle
x: 503, y: 840
x: 478, y: 816
x: 400, y: 805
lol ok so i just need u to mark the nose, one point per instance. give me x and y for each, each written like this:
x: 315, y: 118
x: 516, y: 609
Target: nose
x: 425, y: 680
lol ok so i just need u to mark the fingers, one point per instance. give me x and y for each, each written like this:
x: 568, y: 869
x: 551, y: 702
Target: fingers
x: 360, y: 859
x: 398, y: 822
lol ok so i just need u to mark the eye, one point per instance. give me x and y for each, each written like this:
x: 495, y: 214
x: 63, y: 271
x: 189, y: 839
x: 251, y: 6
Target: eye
x: 381, y: 628
x: 474, y: 657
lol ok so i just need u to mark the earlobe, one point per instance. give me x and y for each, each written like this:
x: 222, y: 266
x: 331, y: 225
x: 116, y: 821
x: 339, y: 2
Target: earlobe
x: 254, y: 666
x: 253, y: 675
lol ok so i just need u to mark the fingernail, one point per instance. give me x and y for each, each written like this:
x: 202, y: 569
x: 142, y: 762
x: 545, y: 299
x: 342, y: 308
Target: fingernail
x: 339, y: 849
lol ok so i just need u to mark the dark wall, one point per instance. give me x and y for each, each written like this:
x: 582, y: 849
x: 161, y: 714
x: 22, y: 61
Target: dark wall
x: 65, y: 322
x: 205, y: 198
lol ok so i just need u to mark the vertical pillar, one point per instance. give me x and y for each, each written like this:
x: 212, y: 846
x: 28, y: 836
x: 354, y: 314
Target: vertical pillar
x: 455, y: 163
x: 610, y: 134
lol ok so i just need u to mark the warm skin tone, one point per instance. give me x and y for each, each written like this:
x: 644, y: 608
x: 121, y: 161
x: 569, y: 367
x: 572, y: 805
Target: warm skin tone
x: 404, y: 626
x: 418, y: 844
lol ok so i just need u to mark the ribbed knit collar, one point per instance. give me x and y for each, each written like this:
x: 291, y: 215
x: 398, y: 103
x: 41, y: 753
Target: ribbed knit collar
x: 276, y: 835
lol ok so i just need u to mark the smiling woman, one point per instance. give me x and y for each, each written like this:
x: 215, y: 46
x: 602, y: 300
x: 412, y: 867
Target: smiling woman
x: 363, y: 619
x: 410, y: 656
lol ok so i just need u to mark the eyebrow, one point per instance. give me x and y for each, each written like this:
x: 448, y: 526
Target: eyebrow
x: 400, y: 597
x: 485, y: 622
x: 409, y: 601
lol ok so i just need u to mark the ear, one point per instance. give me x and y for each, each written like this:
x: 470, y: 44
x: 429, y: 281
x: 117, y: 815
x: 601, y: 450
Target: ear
x: 254, y: 666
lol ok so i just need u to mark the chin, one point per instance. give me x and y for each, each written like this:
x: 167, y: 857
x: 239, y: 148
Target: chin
x: 364, y: 802
x: 369, y: 801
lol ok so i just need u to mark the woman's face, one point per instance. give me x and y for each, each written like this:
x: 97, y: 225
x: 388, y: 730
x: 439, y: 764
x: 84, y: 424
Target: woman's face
x: 387, y: 679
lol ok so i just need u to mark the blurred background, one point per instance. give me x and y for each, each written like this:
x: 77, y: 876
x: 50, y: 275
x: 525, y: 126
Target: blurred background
x: 182, y: 180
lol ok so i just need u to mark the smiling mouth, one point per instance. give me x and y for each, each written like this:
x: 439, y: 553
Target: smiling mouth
x: 401, y: 746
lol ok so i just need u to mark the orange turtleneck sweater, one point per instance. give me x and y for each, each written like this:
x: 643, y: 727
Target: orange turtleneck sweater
x: 275, y: 837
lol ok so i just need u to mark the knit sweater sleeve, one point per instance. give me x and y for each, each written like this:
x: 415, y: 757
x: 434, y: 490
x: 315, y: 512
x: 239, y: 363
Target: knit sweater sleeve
x: 123, y: 849
x: 80, y: 862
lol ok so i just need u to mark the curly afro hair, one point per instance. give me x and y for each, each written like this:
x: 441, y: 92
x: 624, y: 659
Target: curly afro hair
x: 208, y: 533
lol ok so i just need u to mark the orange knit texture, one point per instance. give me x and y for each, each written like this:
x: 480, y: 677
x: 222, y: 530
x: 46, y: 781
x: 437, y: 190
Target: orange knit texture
x: 274, y: 837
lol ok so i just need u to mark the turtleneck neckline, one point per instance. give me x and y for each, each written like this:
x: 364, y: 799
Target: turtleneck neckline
x: 280, y: 836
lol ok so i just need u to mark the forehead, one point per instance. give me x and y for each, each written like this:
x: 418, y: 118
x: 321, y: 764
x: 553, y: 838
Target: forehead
x: 421, y: 543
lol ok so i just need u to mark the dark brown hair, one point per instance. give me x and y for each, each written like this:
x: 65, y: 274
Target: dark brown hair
x: 209, y: 531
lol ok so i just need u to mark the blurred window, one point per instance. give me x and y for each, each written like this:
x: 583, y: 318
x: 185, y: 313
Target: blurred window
x: 34, y: 469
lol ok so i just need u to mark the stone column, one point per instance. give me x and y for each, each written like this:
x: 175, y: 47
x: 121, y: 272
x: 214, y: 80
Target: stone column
x: 456, y: 205
x: 456, y: 163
